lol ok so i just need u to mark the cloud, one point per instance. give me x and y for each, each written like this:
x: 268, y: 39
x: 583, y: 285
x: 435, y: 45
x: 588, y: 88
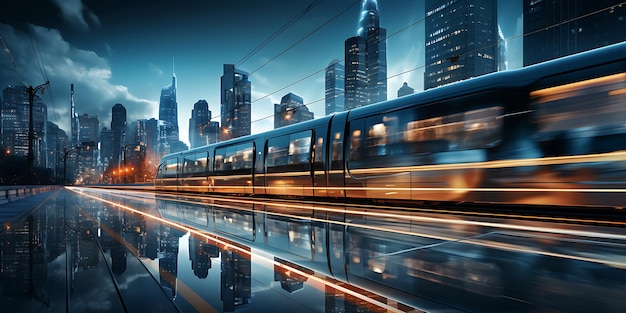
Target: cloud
x: 155, y: 68
x: 95, y: 93
x: 77, y: 14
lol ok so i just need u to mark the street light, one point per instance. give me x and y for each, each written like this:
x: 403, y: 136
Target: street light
x: 31, y: 132
x: 85, y: 145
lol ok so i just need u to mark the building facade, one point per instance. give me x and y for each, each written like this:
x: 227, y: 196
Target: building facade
x: 200, y: 118
x: 461, y: 40
x: 14, y: 127
x: 168, y: 110
x: 334, y: 94
x: 291, y: 110
x: 118, y: 129
x: 366, y: 60
x: 557, y: 28
x: 236, y: 104
x: 405, y: 90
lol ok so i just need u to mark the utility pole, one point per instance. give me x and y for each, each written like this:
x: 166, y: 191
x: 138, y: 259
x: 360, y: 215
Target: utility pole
x: 31, y: 133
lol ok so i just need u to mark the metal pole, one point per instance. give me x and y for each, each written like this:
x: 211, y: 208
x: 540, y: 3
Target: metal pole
x: 31, y: 132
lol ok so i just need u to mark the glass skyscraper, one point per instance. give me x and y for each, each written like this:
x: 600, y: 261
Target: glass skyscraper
x: 291, y: 110
x: 168, y: 111
x: 461, y: 40
x: 335, y: 87
x: 366, y: 60
x: 236, y: 105
x: 557, y: 28
x: 200, y: 118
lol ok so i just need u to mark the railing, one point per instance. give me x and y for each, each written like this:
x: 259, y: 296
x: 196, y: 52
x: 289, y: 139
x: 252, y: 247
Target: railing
x: 12, y: 193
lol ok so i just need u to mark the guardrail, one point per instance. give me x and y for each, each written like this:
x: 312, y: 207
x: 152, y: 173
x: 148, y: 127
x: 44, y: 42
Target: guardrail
x: 12, y: 193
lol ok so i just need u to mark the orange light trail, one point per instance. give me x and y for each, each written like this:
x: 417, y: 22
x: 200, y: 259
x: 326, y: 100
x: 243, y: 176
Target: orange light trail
x: 227, y: 245
x: 444, y: 239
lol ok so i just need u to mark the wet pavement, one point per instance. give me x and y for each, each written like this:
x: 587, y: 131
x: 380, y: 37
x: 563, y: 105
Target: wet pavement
x: 85, y: 250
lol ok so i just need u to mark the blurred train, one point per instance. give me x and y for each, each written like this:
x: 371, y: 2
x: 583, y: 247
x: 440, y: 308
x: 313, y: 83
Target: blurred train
x: 548, y: 134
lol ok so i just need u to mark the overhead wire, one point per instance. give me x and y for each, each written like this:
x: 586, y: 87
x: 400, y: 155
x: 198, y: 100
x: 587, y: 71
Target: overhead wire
x: 42, y: 67
x: 423, y: 66
x: 8, y: 53
x: 278, y: 31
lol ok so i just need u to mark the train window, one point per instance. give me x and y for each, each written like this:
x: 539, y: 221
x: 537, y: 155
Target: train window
x: 171, y: 168
x: 289, y: 152
x: 235, y: 158
x: 337, y: 150
x: 195, y: 164
x: 300, y: 148
x: 277, y: 151
x: 474, y: 129
x: 401, y: 133
x: 594, y: 105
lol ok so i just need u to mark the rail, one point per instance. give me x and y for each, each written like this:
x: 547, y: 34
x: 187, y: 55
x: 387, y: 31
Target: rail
x: 12, y: 193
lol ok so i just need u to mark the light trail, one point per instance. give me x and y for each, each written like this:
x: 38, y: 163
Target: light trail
x: 227, y: 245
x: 444, y: 239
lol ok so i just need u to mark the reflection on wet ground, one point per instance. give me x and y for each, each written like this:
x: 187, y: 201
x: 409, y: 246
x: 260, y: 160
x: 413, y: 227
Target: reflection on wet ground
x: 99, y: 251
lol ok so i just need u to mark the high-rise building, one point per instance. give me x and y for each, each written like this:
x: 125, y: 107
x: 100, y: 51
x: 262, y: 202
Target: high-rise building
x: 366, y: 60
x: 200, y: 118
x: 118, y: 128
x: 557, y: 28
x: 168, y: 110
x: 74, y: 121
x: 405, y: 90
x: 335, y: 87
x: 291, y: 110
x: 236, y: 104
x: 106, y: 146
x: 88, y: 158
x: 15, y: 124
x: 56, y: 143
x: 461, y: 40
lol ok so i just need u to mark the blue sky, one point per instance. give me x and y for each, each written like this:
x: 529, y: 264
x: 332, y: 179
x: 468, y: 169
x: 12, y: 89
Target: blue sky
x: 122, y: 51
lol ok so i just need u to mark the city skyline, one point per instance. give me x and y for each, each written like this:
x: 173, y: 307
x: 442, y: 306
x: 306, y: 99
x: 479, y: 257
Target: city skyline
x: 112, y: 57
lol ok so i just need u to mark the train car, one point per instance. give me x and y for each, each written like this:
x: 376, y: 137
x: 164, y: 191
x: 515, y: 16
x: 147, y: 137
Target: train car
x: 551, y: 134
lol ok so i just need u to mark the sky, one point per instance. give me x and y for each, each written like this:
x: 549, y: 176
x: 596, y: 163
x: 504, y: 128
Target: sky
x: 120, y: 51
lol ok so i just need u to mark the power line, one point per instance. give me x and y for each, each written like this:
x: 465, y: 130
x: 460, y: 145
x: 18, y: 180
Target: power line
x: 42, y: 66
x: 278, y: 31
x: 8, y: 53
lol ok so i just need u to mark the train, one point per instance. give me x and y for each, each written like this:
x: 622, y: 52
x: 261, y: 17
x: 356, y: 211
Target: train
x: 552, y: 134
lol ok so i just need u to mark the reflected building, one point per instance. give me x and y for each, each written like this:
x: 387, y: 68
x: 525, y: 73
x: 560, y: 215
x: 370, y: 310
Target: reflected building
x: 291, y: 110
x: 461, y: 40
x: 168, y: 258
x: 557, y: 28
x: 236, y: 280
x: 236, y: 104
x: 366, y: 60
x: 334, y: 94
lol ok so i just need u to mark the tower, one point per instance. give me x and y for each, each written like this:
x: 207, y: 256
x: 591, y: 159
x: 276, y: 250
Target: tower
x: 236, y: 105
x: 168, y: 111
x: 461, y: 40
x: 200, y: 117
x: 291, y: 110
x: 335, y: 87
x: 366, y: 60
x: 73, y: 120
x: 118, y: 128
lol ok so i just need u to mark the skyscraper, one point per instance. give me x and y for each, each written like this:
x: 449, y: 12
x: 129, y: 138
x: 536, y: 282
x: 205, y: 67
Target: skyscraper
x: 557, y: 28
x: 405, y: 90
x: 74, y: 122
x: 236, y: 104
x: 366, y: 60
x: 168, y: 110
x: 200, y: 117
x: 461, y: 40
x: 335, y: 87
x: 118, y: 128
x: 291, y: 110
x: 15, y: 125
